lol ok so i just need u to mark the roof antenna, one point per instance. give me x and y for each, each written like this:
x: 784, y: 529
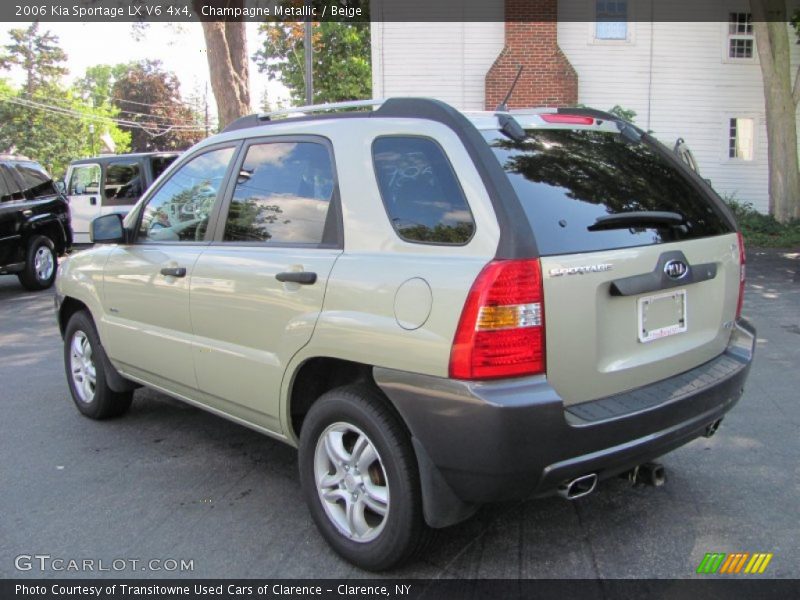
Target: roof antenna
x: 503, y: 106
x: 508, y: 124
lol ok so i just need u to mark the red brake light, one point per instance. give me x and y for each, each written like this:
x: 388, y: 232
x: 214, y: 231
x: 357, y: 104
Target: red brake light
x: 741, y: 275
x: 501, y: 331
x: 568, y: 119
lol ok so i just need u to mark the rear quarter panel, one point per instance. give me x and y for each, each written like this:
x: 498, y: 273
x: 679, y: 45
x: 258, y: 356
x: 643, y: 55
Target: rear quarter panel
x: 389, y: 302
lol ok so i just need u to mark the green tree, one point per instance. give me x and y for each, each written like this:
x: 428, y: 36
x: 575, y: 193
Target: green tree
x: 342, y: 68
x: 37, y: 54
x: 148, y: 96
x: 43, y: 120
x: 54, y: 128
x: 97, y: 84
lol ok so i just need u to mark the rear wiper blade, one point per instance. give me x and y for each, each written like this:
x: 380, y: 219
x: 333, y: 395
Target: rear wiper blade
x: 641, y: 218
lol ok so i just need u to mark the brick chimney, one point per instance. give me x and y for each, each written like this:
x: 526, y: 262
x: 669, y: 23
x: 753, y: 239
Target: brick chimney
x: 532, y: 41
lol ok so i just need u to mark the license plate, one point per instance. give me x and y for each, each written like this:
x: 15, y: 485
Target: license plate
x: 662, y: 315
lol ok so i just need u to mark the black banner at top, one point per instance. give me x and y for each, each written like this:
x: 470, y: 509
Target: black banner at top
x: 371, y: 10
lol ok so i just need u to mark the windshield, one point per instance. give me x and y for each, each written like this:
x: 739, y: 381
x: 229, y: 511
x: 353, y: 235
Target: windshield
x: 566, y: 179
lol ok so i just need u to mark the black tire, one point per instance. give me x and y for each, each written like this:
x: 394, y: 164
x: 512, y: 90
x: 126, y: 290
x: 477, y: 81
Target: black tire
x: 401, y: 532
x: 97, y: 400
x: 41, y: 263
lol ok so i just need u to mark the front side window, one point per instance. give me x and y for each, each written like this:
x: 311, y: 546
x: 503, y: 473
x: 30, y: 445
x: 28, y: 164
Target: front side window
x: 282, y: 196
x: 741, y: 38
x: 420, y: 191
x: 85, y: 179
x: 611, y: 20
x: 123, y: 181
x: 179, y: 210
x: 741, y: 133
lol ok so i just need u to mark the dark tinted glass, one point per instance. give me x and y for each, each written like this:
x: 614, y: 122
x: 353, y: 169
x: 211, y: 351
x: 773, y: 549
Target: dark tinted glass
x: 36, y: 182
x: 160, y: 163
x: 123, y: 180
x: 179, y: 210
x: 7, y: 185
x: 420, y: 191
x: 566, y: 179
x: 282, y: 194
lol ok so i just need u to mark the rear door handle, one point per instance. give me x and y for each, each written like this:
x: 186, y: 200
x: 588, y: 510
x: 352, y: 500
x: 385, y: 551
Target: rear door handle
x: 93, y: 201
x: 174, y: 271
x: 301, y: 277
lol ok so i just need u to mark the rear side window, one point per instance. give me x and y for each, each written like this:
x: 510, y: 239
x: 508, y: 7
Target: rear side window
x: 160, y: 163
x: 283, y: 193
x: 420, y: 191
x: 36, y: 182
x: 9, y: 188
x: 123, y: 181
x: 567, y: 179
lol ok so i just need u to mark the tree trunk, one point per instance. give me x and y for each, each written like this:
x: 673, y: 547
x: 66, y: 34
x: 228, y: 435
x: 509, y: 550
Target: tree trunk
x: 772, y: 40
x: 226, y: 46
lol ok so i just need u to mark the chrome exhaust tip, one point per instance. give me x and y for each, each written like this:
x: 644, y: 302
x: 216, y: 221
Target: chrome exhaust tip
x: 652, y: 473
x: 578, y: 487
x: 712, y: 429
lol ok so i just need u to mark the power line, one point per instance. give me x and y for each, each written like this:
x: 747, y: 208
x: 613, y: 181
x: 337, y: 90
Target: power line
x: 156, y: 105
x: 86, y: 116
x: 169, y: 120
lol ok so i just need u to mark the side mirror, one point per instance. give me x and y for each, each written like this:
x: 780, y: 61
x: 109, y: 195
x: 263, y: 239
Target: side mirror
x: 108, y: 229
x: 60, y: 186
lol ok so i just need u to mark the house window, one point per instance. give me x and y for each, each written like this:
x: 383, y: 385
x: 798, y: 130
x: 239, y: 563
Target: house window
x: 741, y: 39
x: 740, y: 138
x: 611, y: 20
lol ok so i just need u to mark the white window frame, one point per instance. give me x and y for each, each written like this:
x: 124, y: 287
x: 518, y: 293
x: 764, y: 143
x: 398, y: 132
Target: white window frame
x: 728, y: 159
x: 727, y: 36
x: 629, y: 38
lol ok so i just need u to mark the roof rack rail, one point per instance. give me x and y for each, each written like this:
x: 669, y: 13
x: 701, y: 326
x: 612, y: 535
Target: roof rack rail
x: 260, y: 119
x: 313, y: 108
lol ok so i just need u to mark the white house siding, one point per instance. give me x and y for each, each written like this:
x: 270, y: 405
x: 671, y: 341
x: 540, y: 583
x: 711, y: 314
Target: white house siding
x: 448, y: 61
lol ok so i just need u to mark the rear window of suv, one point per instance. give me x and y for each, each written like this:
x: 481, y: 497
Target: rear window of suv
x: 566, y: 179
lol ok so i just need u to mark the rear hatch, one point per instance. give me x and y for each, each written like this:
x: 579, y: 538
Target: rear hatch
x: 640, y: 262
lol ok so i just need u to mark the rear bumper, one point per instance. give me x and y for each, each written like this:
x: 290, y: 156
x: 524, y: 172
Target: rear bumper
x: 485, y: 442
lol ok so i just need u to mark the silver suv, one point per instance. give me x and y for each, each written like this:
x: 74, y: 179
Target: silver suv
x: 438, y: 309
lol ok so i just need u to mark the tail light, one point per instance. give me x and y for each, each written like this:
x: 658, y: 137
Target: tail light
x: 741, y: 275
x: 501, y: 330
x: 566, y: 119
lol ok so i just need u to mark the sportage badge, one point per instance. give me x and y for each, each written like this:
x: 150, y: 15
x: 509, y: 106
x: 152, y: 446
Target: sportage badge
x: 601, y: 268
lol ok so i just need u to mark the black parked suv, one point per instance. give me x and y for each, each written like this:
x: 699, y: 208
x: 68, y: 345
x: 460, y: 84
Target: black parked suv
x: 34, y: 223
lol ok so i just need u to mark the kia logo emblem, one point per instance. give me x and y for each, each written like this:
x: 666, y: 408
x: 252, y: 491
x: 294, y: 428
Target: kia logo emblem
x: 676, y: 269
